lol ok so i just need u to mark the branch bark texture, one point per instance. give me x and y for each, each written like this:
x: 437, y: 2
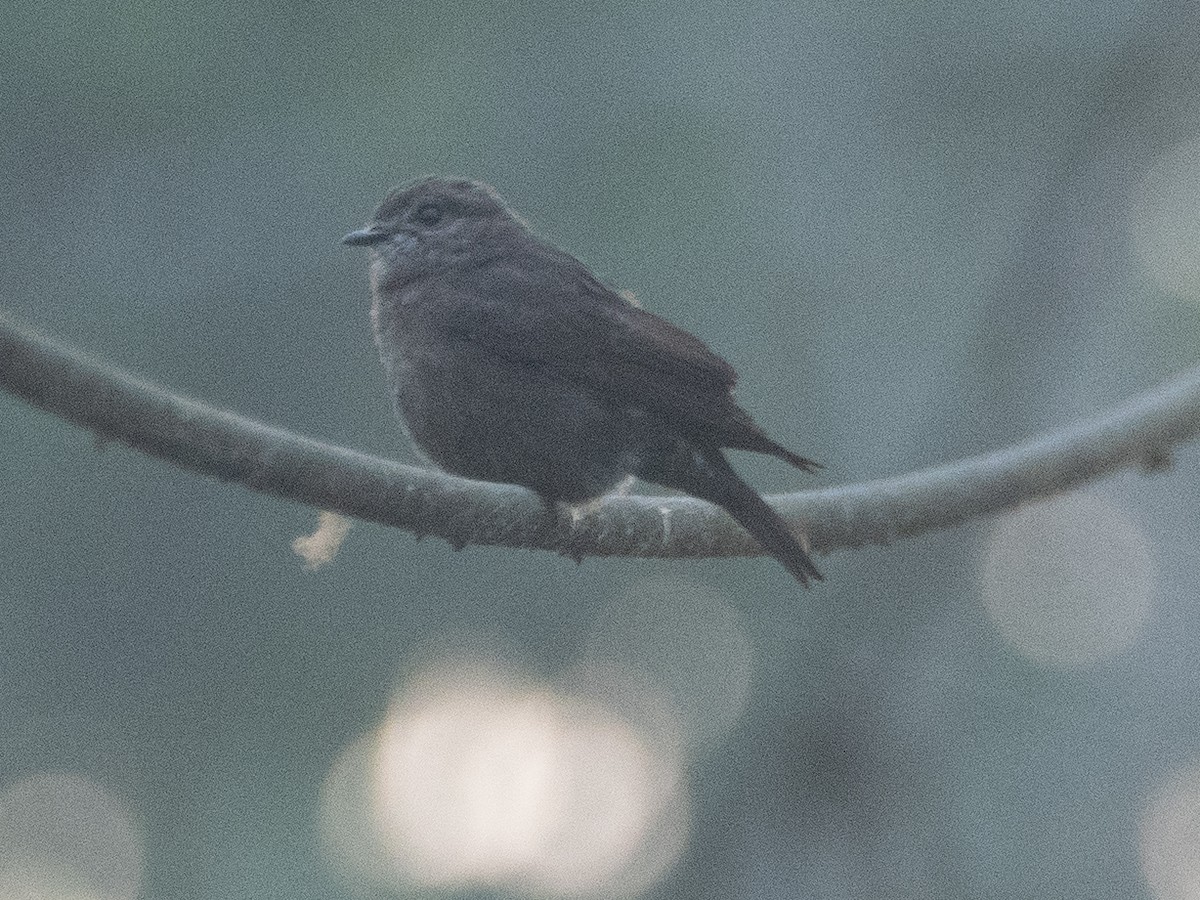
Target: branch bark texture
x: 1140, y: 432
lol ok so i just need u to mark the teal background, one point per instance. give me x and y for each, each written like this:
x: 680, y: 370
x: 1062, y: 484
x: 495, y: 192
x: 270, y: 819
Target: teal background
x: 907, y: 225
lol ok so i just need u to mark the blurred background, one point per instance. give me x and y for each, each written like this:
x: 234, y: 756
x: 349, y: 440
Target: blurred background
x: 919, y: 230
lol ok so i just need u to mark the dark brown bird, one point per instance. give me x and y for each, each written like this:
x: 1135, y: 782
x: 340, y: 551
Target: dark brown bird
x: 509, y: 361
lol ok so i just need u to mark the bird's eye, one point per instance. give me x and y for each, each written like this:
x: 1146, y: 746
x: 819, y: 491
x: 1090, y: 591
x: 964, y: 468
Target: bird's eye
x: 428, y: 214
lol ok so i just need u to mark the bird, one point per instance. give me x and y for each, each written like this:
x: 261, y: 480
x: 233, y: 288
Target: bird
x: 509, y: 361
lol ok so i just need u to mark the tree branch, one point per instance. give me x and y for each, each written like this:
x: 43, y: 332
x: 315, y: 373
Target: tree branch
x: 116, y: 406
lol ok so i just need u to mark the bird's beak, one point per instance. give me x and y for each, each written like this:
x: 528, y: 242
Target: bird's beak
x: 365, y: 237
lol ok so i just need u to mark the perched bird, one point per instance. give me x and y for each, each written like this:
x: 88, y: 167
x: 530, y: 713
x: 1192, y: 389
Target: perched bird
x: 509, y: 361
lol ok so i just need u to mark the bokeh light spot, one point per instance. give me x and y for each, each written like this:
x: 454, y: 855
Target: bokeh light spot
x: 63, y: 837
x: 1165, y: 220
x: 1068, y: 581
x: 482, y: 778
x: 1169, y: 838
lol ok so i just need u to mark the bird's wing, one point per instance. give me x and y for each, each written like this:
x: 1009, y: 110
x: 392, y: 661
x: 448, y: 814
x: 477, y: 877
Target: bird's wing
x: 556, y: 316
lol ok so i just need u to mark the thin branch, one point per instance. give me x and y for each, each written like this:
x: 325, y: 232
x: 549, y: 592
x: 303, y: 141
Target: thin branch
x: 116, y: 406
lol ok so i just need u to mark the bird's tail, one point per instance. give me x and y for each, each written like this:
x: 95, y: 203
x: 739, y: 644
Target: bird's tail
x: 713, y: 479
